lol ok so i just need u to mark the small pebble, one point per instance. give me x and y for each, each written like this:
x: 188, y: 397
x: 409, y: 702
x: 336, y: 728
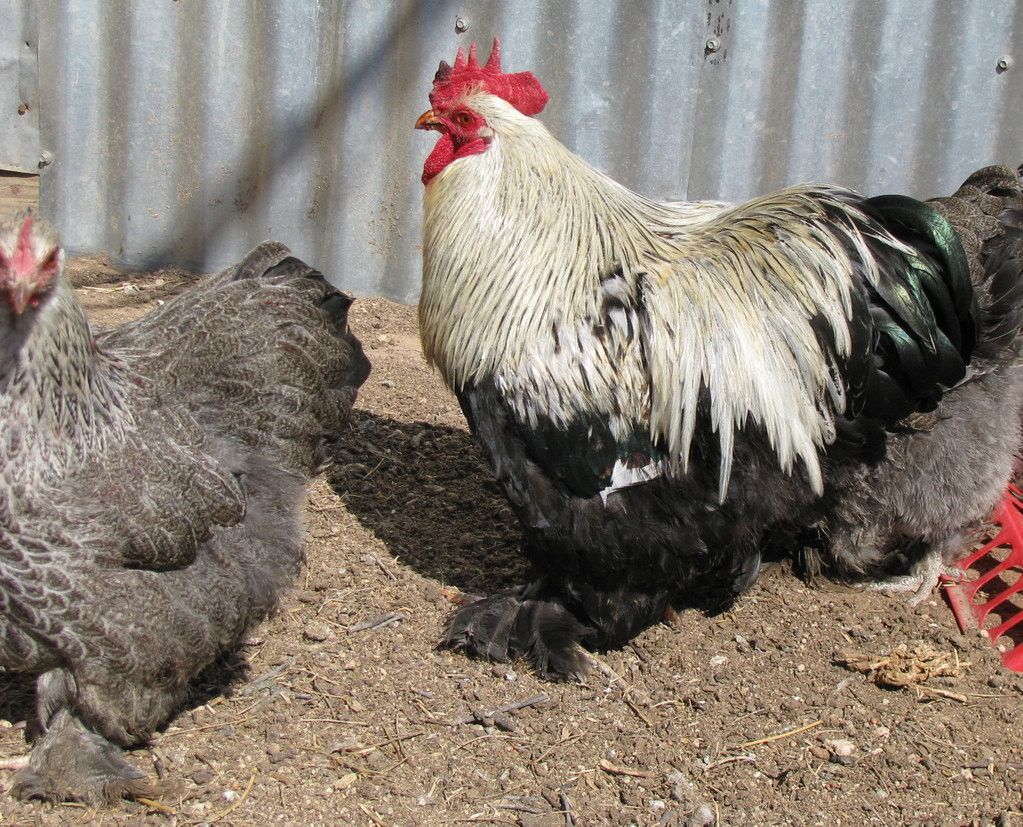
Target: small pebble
x: 317, y: 632
x: 277, y: 756
x: 840, y: 747
x: 702, y: 816
x: 201, y: 777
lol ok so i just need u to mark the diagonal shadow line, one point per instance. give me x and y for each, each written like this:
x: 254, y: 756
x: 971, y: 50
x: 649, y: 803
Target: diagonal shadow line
x: 293, y: 137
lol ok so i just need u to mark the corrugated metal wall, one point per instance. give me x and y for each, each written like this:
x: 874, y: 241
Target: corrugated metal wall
x: 187, y: 131
x: 19, y: 102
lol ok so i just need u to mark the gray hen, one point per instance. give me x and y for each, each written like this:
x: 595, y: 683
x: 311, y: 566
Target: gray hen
x: 944, y: 471
x: 150, y: 487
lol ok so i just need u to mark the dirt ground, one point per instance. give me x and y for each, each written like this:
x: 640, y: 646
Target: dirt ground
x: 345, y: 712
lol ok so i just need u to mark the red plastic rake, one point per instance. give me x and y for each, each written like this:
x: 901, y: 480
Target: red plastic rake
x: 993, y: 600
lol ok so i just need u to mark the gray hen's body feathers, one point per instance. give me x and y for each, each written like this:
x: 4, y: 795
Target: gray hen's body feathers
x: 149, y: 492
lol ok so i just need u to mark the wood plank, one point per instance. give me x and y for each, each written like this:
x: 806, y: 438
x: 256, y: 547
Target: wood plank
x: 17, y: 191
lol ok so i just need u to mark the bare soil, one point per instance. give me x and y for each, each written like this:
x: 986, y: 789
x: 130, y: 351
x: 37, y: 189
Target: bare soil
x: 342, y: 710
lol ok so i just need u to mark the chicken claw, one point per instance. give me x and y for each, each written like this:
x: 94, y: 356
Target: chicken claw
x: 510, y: 625
x: 923, y: 580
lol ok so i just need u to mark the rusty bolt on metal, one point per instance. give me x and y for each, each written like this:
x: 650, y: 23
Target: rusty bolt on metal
x: 22, y: 108
x: 712, y: 44
x: 461, y: 24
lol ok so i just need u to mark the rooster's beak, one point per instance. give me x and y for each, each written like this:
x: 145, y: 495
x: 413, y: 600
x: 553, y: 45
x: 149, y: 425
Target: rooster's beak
x: 427, y: 121
x: 18, y: 297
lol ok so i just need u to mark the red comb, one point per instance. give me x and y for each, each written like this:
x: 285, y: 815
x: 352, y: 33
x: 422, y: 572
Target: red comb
x: 522, y: 90
x: 24, y: 257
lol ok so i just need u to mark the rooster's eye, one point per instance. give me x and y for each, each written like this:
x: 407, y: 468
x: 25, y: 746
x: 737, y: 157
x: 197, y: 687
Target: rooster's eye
x: 463, y: 119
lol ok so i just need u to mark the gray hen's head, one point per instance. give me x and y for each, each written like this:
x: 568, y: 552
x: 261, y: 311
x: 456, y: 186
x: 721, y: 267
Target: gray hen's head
x: 31, y: 261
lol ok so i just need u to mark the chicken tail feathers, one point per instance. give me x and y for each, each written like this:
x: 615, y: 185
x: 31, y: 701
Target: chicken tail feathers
x: 273, y: 262
x: 938, y: 277
x: 915, y: 322
x: 1003, y: 317
x: 262, y: 259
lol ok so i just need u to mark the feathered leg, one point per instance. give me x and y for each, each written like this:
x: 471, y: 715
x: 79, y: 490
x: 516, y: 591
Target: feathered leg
x: 547, y: 621
x: 525, y: 623
x: 71, y: 763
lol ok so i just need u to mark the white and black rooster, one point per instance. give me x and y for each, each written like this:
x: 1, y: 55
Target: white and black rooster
x: 656, y: 385
x: 151, y: 477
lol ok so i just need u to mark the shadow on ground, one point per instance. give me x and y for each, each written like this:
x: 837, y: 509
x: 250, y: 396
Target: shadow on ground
x: 425, y: 492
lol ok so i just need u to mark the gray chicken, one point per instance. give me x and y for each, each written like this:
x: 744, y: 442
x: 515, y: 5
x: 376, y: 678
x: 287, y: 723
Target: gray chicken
x: 150, y: 483
x: 945, y: 470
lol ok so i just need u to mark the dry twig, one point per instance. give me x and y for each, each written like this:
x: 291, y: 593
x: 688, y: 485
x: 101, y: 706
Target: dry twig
x: 779, y: 735
x: 389, y: 619
x: 484, y: 717
x: 156, y: 805
x: 614, y: 769
x: 731, y: 759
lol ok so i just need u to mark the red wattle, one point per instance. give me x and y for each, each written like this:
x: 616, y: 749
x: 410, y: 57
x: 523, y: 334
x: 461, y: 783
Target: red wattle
x: 444, y: 153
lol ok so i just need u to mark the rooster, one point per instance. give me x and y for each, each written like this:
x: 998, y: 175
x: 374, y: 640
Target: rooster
x: 150, y: 483
x: 657, y: 385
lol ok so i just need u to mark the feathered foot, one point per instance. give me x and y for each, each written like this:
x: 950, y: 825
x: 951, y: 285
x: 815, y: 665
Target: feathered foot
x: 506, y: 626
x: 70, y: 763
x: 923, y: 580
